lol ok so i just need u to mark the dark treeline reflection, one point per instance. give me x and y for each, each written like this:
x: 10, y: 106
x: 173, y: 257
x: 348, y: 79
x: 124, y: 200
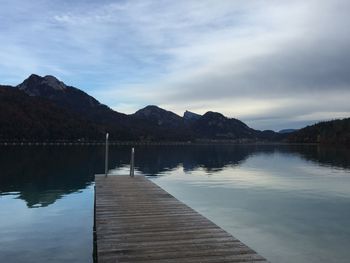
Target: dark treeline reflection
x: 328, y: 156
x: 155, y: 160
x: 41, y: 175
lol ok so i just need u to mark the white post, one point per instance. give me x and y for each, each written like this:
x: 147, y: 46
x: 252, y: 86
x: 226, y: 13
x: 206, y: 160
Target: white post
x: 132, y: 162
x: 106, y: 155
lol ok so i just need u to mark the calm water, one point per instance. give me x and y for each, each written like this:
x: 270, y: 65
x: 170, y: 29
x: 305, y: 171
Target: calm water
x: 291, y: 204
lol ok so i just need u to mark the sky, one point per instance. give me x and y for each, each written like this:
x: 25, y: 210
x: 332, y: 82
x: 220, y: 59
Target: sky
x: 273, y: 64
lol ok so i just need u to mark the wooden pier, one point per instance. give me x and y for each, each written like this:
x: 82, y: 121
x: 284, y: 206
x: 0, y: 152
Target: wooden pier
x: 137, y: 221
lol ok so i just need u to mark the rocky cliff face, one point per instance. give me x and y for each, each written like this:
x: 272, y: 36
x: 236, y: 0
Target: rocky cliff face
x: 191, y: 116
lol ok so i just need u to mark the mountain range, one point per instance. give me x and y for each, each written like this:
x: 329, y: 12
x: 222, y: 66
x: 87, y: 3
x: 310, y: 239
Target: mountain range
x: 45, y: 108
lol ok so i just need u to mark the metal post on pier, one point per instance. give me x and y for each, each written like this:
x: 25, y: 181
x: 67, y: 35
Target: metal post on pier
x: 106, y: 155
x: 132, y: 162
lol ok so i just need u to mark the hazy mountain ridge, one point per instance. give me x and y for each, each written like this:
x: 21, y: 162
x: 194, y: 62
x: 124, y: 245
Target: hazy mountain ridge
x: 287, y: 131
x: 55, y: 110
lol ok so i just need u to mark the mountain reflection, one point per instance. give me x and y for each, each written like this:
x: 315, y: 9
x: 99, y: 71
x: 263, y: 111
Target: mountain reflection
x: 42, y: 175
x: 157, y: 160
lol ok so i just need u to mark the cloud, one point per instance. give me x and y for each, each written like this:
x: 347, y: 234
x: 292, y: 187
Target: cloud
x: 274, y: 64
x: 289, y: 61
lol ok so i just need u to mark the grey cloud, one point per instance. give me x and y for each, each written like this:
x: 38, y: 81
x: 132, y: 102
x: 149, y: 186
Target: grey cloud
x: 307, y: 69
x: 294, y: 69
x: 291, y: 58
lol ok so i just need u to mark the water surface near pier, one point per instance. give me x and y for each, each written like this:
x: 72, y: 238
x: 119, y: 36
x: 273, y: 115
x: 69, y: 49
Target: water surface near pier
x: 289, y: 203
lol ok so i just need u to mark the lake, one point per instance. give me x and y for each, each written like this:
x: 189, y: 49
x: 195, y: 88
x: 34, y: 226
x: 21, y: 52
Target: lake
x: 289, y: 203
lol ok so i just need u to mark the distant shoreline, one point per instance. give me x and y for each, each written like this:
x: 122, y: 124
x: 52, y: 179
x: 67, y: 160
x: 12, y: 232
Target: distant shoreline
x: 139, y: 143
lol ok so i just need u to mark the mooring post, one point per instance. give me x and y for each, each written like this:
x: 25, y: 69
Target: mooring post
x: 106, y: 155
x: 132, y: 162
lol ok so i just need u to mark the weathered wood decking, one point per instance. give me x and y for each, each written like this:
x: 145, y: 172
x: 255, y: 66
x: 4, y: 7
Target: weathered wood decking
x: 137, y: 221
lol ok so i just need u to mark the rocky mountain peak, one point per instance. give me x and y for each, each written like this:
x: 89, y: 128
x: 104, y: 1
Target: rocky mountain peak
x: 35, y: 85
x: 150, y: 110
x: 214, y: 115
x: 54, y: 83
x: 159, y: 116
x: 188, y: 115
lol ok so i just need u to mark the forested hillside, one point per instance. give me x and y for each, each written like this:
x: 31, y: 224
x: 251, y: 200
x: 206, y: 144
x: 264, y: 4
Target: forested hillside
x: 328, y: 132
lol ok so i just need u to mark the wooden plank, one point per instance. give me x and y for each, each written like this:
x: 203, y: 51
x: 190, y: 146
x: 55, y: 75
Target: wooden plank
x: 137, y: 221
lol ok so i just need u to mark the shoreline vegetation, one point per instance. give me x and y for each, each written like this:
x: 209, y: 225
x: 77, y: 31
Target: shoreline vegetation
x: 146, y: 143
